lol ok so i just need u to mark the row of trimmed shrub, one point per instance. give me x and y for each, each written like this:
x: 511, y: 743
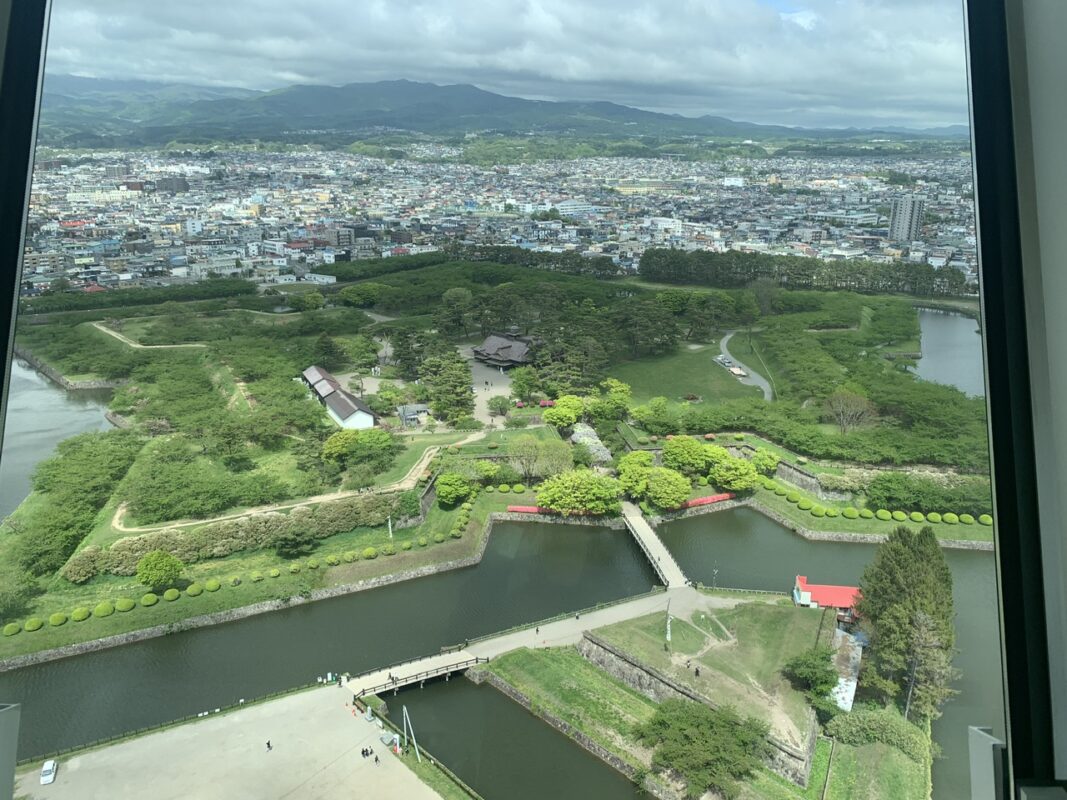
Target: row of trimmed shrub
x: 806, y: 504
x: 504, y: 488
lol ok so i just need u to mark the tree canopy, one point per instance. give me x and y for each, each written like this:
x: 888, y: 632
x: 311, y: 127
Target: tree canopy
x: 580, y: 491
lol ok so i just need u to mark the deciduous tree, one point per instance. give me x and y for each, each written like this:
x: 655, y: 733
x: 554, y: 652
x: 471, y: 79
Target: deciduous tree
x: 159, y: 569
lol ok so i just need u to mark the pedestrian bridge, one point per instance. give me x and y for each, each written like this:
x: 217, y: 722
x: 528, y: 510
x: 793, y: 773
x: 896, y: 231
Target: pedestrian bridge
x: 407, y: 673
x: 658, y: 555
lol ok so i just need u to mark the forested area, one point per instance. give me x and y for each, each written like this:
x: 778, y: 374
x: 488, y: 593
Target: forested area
x: 734, y: 269
x: 72, y: 301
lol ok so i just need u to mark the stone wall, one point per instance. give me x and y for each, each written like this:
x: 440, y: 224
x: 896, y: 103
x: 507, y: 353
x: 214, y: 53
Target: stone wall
x: 790, y: 762
x: 808, y: 482
x: 652, y: 786
x: 58, y: 378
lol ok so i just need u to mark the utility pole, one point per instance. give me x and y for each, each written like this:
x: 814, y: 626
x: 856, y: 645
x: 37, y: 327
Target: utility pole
x: 409, y: 727
x: 390, y: 527
x: 668, y: 622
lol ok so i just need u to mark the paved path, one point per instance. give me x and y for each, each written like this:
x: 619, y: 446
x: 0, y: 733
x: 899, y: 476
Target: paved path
x: 754, y: 378
x: 316, y: 744
x: 127, y: 340
x: 662, y: 560
x: 405, y: 483
x: 500, y: 384
x: 408, y: 673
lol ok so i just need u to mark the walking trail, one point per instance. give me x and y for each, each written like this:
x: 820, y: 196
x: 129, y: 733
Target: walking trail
x: 127, y: 340
x: 405, y: 483
x: 754, y: 378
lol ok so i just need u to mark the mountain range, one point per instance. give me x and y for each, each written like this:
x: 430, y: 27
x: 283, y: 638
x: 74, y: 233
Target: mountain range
x: 92, y: 112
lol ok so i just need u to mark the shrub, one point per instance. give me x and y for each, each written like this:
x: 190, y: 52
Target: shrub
x: 492, y: 446
x: 966, y: 519
x: 985, y: 519
x: 194, y: 590
x: 653, y: 438
x: 171, y: 595
x: 503, y: 488
x: 818, y: 511
x: 370, y: 553
x: 233, y: 580
x: 387, y: 550
x: 780, y: 490
x: 124, y: 604
x: 57, y: 619
x: 950, y: 519
x: 793, y: 497
x: 350, y: 556
x: 439, y: 537
x: 899, y: 516
x: 916, y: 516
x: 422, y: 541
x: 739, y: 437
x: 933, y: 516
x: 468, y: 506
x: 294, y: 569
x: 149, y: 599
x: 313, y: 564
x: 212, y: 584
x: 870, y: 726
x: 103, y: 609
x: 275, y: 572
x: 831, y: 512
x: 457, y: 533
x: 866, y: 513
x: 80, y: 614
x: 490, y: 489
x: 405, y: 545
x: 805, y: 505
x: 256, y: 577
x: 331, y: 559
x: 702, y: 480
x: 12, y: 628
x: 883, y: 515
x: 518, y: 488
x: 642, y: 440
x: 33, y: 624
x: 850, y: 513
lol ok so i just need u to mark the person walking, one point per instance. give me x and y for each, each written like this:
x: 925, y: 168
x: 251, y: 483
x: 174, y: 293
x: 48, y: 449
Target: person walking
x: 376, y: 761
x: 269, y: 748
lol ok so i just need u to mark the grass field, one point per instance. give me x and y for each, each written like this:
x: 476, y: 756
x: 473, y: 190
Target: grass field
x: 682, y: 373
x: 414, y: 447
x: 766, y: 785
x: 567, y: 686
x: 875, y: 772
x: 740, y: 652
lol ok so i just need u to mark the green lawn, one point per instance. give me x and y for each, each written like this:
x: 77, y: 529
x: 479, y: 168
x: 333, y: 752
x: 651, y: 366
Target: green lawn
x: 482, y: 447
x: 875, y: 772
x: 682, y: 373
x: 766, y: 785
x: 414, y: 446
x: 740, y: 652
x: 567, y: 686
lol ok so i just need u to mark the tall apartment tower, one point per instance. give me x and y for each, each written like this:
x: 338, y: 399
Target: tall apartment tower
x: 906, y: 218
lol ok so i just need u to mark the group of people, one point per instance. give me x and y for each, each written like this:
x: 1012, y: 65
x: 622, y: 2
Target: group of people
x: 367, y: 752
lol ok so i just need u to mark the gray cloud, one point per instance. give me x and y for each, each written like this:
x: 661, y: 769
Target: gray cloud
x: 809, y: 62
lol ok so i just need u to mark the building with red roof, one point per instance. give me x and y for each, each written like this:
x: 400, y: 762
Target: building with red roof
x: 823, y: 595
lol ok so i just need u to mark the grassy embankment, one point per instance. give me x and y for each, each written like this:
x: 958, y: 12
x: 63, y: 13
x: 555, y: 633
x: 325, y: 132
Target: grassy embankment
x: 685, y: 372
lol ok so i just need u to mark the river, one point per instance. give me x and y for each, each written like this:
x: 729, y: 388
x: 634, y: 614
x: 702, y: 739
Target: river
x: 40, y: 415
x: 952, y: 351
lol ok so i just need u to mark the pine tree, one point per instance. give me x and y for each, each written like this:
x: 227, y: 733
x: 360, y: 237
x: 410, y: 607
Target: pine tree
x: 328, y: 354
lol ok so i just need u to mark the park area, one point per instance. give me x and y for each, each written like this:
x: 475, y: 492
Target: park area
x: 685, y: 375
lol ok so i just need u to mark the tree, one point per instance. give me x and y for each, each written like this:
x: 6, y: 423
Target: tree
x: 930, y: 670
x: 849, y: 409
x: 310, y: 301
x: 523, y: 453
x: 451, y: 315
x: 524, y: 383
x: 812, y: 672
x: 159, y: 569
x: 499, y: 405
x: 764, y: 461
x: 685, y: 454
x: 373, y: 446
x: 328, y: 354
x: 554, y: 456
x: 711, y: 748
x: 362, y: 295
x: 295, y: 542
x: 447, y: 376
x: 567, y: 411
x: 667, y: 489
x: 734, y: 475
x: 580, y: 491
x: 633, y: 469
x: 452, y: 488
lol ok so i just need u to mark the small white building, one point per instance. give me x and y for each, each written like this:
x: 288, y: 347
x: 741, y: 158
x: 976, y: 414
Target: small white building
x: 319, y: 278
x: 344, y: 408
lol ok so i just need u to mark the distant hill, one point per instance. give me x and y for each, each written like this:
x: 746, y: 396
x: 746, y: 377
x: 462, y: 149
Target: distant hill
x: 90, y: 112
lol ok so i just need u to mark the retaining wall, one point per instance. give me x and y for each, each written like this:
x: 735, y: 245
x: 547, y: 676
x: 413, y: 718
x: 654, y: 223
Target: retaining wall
x: 57, y: 377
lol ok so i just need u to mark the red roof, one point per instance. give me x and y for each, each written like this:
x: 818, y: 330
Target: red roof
x: 95, y: 287
x: 828, y: 596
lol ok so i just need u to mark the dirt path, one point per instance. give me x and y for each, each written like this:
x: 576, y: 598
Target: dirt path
x: 127, y: 340
x: 405, y: 483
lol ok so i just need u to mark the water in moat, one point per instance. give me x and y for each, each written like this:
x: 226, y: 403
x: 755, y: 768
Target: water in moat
x: 529, y: 572
x: 750, y: 551
x: 952, y: 351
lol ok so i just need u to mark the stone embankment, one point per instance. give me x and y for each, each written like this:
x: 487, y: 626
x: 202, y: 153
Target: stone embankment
x: 58, y: 378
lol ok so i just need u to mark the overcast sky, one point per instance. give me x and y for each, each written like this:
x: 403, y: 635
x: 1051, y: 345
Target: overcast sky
x: 802, y: 62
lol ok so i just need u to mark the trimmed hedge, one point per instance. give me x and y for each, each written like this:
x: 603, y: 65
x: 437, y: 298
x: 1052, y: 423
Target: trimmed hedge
x: 933, y: 516
x: 387, y: 550
x: 12, y: 628
x: 985, y: 519
x: 80, y: 614
x: 518, y: 488
x: 503, y: 488
x: 350, y: 556
x: 57, y: 619
x: 490, y: 489
x: 212, y: 584
x: 872, y: 726
x: 149, y: 599
x: 171, y: 595
x: 780, y: 490
x: 793, y: 497
x: 256, y: 577
x: 422, y: 541
x: 917, y: 516
x: 966, y: 519
x: 370, y: 553
x: 850, y: 513
x: 818, y: 511
x: 331, y: 559
x: 194, y: 590
x: 125, y: 604
x: 439, y: 537
x: 275, y: 572
x: 294, y: 569
x: 33, y: 624
x: 313, y: 564
x: 883, y: 515
x: 900, y: 516
x: 950, y: 519
x: 866, y: 513
x: 831, y: 512
x: 103, y: 609
x: 405, y: 545
x: 234, y: 580
x: 805, y: 505
x: 457, y: 533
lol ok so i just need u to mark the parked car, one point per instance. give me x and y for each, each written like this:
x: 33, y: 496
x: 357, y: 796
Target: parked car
x: 48, y: 772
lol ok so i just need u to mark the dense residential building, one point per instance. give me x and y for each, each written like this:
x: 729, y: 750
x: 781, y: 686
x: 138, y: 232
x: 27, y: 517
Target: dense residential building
x: 906, y: 218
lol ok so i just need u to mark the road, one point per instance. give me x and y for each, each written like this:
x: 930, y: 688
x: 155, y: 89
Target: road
x: 315, y: 739
x: 754, y: 378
